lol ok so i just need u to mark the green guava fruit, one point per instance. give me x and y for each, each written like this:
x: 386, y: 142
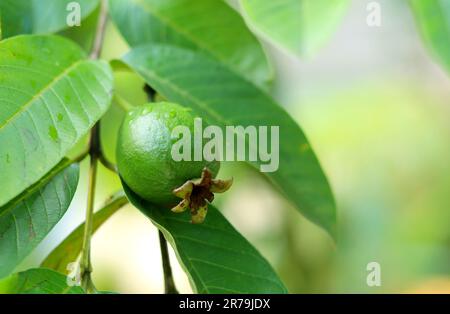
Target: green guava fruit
x: 145, y: 162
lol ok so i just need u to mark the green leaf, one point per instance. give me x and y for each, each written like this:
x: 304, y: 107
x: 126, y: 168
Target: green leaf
x: 69, y: 249
x: 37, y: 281
x: 39, y: 16
x: 209, y: 26
x: 216, y: 258
x: 300, y: 27
x: 15, y: 16
x: 50, y: 96
x: 25, y: 221
x: 84, y: 34
x: 225, y: 99
x: 433, y: 20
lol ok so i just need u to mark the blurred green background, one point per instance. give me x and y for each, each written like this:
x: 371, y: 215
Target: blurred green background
x: 376, y: 109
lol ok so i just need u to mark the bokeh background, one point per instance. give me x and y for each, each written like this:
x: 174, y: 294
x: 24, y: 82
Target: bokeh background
x: 375, y: 107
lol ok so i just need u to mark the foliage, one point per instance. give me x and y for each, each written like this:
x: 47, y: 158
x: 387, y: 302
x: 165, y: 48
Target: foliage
x: 433, y: 20
x: 201, y: 54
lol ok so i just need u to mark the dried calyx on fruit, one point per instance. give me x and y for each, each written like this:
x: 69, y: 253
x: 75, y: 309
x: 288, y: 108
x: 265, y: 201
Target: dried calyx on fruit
x: 146, y: 165
x: 196, y: 194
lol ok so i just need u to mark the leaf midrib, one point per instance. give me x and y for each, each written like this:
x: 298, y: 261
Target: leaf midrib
x: 45, y: 88
x: 35, y: 187
x: 180, y: 91
x: 221, y: 57
x: 204, y: 286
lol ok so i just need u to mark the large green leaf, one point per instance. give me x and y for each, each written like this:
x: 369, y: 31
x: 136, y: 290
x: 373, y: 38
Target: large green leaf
x: 25, y: 221
x: 209, y: 26
x: 37, y: 281
x: 15, y: 17
x: 300, y: 27
x: 50, y: 96
x: 433, y: 19
x: 69, y: 249
x: 38, y: 16
x: 216, y: 258
x: 223, y: 98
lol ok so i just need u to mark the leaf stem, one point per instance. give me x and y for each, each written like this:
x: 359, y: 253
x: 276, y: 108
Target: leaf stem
x: 169, y: 284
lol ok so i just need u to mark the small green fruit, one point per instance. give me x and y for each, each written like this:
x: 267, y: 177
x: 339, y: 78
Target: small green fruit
x: 146, y: 165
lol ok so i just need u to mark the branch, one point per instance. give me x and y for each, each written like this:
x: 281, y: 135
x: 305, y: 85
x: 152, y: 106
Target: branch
x: 105, y: 162
x: 86, y: 266
x: 100, y: 31
x: 94, y: 153
x: 169, y: 284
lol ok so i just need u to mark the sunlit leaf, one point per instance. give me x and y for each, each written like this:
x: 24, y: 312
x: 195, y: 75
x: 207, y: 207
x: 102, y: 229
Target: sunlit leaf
x: 37, y: 281
x: 300, y: 27
x: 433, y: 19
x: 28, y: 219
x: 39, y: 16
x: 50, y: 96
x: 209, y: 26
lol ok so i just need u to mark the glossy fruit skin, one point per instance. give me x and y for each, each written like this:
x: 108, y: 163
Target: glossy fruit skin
x: 144, y: 156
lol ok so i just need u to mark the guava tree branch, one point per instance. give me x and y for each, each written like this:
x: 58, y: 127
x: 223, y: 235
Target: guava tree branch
x: 100, y: 31
x: 86, y: 266
x: 95, y: 53
x: 94, y: 153
x: 169, y: 284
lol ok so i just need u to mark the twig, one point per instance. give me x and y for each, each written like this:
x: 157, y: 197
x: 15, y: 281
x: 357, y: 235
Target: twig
x: 100, y: 31
x: 101, y: 157
x: 169, y: 284
x: 94, y: 153
x: 86, y: 266
x: 105, y: 162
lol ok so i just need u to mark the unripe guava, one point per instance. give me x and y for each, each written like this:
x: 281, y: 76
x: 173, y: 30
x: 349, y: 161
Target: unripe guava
x: 146, y: 165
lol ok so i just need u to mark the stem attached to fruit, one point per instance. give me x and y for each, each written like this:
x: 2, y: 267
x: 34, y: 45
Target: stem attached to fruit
x: 106, y: 163
x: 94, y: 153
x: 169, y: 284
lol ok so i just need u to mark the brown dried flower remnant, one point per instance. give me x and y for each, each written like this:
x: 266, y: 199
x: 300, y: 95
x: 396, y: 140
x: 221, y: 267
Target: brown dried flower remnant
x: 197, y: 193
